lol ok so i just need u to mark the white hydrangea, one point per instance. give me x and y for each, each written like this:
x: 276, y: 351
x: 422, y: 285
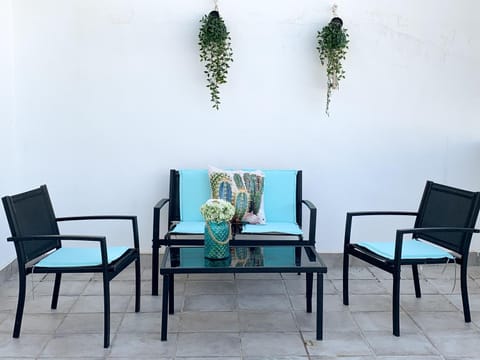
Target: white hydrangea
x: 217, y: 210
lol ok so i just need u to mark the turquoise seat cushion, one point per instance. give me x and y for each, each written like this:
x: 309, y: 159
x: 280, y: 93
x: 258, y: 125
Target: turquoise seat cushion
x: 78, y: 257
x: 411, y: 249
x: 272, y: 227
x: 189, y: 227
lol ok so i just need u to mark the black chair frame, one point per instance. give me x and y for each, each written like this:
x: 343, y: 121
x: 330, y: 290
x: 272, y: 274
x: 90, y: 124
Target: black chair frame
x: 49, y: 242
x: 255, y: 240
x: 429, y: 234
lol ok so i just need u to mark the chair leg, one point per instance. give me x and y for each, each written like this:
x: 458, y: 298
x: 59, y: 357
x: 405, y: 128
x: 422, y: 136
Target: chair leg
x: 345, y: 277
x: 137, y: 284
x: 106, y: 311
x: 20, y: 305
x: 56, y: 290
x: 155, y: 260
x: 416, y: 281
x: 464, y: 288
x: 396, y: 304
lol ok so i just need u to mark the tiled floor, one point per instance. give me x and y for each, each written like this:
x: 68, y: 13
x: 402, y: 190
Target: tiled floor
x: 249, y: 317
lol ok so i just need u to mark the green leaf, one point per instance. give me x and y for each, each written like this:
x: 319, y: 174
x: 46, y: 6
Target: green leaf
x: 332, y: 45
x: 216, y: 53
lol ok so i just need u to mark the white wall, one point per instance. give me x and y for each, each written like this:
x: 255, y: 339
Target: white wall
x: 8, y: 170
x: 110, y: 94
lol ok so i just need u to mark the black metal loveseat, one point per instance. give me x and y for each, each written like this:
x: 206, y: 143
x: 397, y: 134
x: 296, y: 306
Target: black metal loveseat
x: 189, y: 189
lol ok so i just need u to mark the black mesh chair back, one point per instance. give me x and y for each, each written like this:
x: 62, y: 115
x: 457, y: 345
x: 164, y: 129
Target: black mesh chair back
x: 31, y: 213
x: 444, y: 206
x: 35, y: 233
x: 446, y: 218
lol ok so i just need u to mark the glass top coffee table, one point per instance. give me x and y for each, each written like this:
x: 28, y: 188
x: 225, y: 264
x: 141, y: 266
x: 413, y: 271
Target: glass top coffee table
x: 244, y: 259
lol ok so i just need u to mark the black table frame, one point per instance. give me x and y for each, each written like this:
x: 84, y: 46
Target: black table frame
x: 168, y: 273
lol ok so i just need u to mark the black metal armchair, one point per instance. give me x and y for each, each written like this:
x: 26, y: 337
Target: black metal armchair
x: 38, y: 245
x: 442, y: 233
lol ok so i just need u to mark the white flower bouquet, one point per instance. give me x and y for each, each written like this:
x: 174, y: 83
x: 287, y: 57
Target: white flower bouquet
x: 217, y: 210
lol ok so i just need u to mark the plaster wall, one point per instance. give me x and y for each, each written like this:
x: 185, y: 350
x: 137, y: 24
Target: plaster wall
x: 110, y: 95
x: 8, y: 169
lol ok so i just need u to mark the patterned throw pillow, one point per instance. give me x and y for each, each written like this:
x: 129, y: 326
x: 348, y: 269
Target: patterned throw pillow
x: 244, y: 189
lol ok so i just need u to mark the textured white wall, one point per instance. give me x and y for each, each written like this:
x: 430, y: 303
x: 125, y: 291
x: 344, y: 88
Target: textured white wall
x: 110, y: 94
x: 8, y: 170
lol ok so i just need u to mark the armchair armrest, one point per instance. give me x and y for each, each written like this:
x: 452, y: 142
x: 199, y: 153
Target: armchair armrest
x: 132, y: 218
x: 313, y: 220
x: 56, y: 237
x: 97, y: 217
x: 376, y: 213
x: 350, y: 215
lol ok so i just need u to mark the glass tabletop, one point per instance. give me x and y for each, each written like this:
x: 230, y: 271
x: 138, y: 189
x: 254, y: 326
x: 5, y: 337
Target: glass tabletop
x: 244, y: 259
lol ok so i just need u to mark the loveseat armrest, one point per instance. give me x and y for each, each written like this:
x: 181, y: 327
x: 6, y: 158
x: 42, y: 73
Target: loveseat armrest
x: 313, y: 221
x: 156, y: 217
x: 156, y: 243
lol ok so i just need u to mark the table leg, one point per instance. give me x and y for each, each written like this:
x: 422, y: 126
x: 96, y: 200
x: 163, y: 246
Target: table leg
x: 319, y: 306
x: 171, y: 303
x: 165, y: 295
x: 309, y: 277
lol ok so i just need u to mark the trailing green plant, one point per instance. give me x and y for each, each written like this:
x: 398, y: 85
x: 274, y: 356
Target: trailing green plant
x: 216, y: 52
x: 332, y: 46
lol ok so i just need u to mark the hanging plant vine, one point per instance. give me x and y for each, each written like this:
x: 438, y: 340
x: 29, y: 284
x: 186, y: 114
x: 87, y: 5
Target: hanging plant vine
x: 216, y: 52
x: 332, y: 46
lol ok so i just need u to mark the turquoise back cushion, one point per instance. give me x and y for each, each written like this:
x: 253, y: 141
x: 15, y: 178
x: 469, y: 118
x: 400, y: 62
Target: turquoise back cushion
x: 279, y: 194
x: 194, y: 191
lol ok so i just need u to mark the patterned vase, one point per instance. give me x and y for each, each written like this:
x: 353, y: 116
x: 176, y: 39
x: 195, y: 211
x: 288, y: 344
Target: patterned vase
x: 217, y: 237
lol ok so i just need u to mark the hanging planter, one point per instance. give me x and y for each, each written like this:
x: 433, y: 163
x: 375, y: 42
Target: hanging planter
x: 332, y: 46
x: 215, y: 52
